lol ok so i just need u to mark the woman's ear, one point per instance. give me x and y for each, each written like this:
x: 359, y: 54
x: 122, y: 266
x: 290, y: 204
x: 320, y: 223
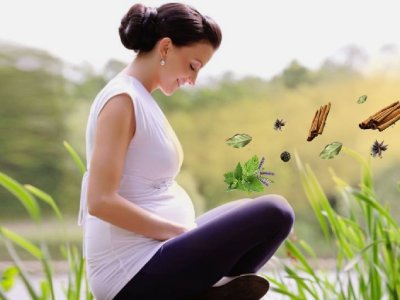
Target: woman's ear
x: 164, y: 46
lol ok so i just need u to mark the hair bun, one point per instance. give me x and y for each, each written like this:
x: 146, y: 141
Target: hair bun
x: 141, y: 27
x: 138, y: 30
x: 149, y: 17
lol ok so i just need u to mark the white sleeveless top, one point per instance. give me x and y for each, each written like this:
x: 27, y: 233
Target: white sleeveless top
x: 153, y: 160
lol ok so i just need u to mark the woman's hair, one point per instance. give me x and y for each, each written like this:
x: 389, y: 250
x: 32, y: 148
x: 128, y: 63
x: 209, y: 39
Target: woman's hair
x: 141, y: 27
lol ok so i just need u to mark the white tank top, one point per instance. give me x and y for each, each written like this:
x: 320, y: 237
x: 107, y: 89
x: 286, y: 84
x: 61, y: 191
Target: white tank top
x: 153, y: 160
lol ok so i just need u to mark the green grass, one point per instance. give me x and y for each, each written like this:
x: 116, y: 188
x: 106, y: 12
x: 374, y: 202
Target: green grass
x: 29, y: 196
x: 51, y: 233
x: 365, y: 241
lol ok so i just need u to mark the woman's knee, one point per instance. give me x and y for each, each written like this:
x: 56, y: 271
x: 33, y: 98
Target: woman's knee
x: 277, y: 207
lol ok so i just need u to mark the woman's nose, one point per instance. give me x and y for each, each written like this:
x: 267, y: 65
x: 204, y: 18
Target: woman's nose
x: 192, y: 80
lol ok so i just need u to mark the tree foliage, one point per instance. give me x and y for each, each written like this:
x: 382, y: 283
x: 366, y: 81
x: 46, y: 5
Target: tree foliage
x: 32, y: 91
x: 40, y: 107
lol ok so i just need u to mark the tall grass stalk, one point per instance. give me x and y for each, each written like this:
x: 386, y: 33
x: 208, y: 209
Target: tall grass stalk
x: 365, y: 241
x: 28, y: 195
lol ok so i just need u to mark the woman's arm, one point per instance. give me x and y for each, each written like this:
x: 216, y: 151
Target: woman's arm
x: 116, y: 126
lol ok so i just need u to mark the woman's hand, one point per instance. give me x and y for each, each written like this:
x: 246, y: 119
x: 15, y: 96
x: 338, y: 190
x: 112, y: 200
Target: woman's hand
x: 191, y: 226
x: 185, y: 228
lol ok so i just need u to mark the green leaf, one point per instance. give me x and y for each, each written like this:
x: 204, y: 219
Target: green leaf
x: 331, y: 150
x: 239, y: 140
x: 248, y: 192
x: 7, y: 280
x: 229, y: 177
x: 238, y: 173
x: 7, y: 284
x: 240, y: 186
x: 232, y: 186
x: 253, y: 184
x: 18, y: 263
x: 23, y: 196
x: 362, y: 99
x: 76, y: 157
x: 251, y: 165
x: 44, y: 286
x: 23, y: 243
x: 48, y: 199
x: 11, y: 271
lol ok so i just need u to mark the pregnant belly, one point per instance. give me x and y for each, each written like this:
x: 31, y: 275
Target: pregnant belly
x: 171, y: 203
x: 176, y: 206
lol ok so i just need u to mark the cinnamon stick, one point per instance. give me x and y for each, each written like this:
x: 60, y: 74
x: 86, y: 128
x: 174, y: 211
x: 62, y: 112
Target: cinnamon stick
x: 328, y: 108
x: 392, y: 115
x: 310, y: 136
x: 367, y: 124
x: 390, y: 122
x: 316, y: 122
x: 387, y: 112
x: 323, y: 111
x: 389, y: 106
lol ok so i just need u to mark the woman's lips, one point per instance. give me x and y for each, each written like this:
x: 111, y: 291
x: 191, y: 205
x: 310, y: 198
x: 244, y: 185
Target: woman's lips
x: 180, y: 82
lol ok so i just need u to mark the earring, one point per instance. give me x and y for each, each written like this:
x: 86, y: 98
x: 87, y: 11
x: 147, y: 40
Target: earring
x: 162, y: 62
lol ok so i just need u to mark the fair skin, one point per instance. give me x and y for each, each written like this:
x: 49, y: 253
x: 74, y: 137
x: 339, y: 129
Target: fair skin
x: 116, y: 127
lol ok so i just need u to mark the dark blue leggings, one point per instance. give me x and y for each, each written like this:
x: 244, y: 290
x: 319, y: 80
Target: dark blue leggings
x: 235, y: 238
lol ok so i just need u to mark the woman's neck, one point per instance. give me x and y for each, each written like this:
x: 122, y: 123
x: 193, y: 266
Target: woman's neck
x: 144, y: 70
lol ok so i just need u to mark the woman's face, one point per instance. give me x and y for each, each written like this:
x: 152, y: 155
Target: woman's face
x: 182, y: 65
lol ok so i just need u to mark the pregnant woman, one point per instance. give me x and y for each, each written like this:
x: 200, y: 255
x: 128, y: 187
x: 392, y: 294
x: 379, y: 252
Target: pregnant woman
x: 141, y: 238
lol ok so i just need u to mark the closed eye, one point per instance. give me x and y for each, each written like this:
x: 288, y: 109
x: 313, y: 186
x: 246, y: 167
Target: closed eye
x: 191, y: 67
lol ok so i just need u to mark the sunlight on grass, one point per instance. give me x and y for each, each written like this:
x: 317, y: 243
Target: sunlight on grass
x: 365, y: 242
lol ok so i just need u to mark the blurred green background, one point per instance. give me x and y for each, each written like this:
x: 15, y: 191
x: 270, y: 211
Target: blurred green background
x: 45, y: 101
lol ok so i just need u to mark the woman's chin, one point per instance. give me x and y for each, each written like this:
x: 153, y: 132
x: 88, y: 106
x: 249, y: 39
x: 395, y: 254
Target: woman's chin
x: 169, y: 92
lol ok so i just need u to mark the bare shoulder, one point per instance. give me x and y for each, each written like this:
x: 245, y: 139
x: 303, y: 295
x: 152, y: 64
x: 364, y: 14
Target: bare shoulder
x: 114, y: 130
x: 118, y: 105
x: 116, y: 121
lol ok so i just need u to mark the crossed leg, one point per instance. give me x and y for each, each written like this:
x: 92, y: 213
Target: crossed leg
x: 235, y: 238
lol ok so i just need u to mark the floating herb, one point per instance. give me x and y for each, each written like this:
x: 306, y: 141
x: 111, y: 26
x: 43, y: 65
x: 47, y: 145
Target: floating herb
x: 378, y: 148
x: 249, y: 178
x: 278, y: 124
x: 362, y: 99
x: 331, y: 150
x: 238, y: 140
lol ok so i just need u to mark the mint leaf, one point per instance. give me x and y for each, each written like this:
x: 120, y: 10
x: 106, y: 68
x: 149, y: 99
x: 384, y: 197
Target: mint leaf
x: 240, y: 186
x: 229, y: 177
x: 253, y: 184
x: 251, y: 165
x: 245, y: 178
x: 248, y: 192
x: 238, y: 173
x: 232, y: 187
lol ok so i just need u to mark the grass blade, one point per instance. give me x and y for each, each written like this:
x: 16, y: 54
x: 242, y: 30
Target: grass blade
x: 374, y: 205
x: 48, y: 199
x: 22, y: 195
x: 21, y: 271
x: 22, y: 242
x: 76, y: 157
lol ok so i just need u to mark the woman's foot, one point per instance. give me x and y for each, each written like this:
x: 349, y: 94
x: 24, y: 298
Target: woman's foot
x: 243, y: 287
